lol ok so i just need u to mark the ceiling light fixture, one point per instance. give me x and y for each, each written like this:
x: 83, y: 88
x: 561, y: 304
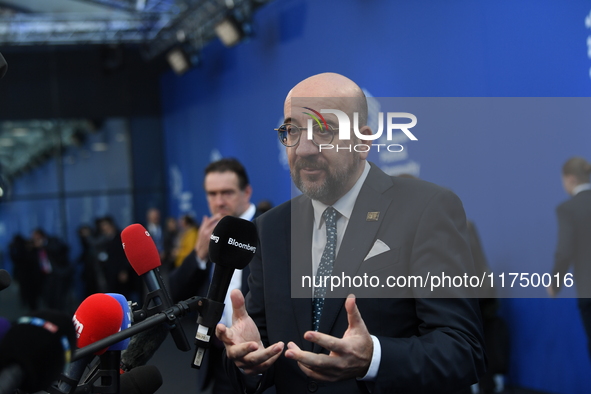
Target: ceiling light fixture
x: 230, y: 31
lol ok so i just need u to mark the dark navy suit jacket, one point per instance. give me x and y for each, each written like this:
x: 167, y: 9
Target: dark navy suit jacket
x: 428, y: 344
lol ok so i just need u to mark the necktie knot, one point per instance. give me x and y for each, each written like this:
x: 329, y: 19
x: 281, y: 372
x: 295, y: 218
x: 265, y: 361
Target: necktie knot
x: 330, y: 217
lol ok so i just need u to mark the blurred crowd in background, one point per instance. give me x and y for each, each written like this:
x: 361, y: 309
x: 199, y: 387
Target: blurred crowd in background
x: 49, y: 277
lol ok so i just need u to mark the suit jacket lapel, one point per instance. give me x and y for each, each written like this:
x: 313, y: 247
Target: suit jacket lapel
x: 357, y: 242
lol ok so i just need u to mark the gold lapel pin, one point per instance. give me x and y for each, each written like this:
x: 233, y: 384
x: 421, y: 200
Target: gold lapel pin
x: 372, y: 216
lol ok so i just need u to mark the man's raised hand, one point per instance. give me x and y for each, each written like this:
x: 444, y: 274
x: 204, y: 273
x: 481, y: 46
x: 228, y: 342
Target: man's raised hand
x: 349, y: 356
x: 243, y: 341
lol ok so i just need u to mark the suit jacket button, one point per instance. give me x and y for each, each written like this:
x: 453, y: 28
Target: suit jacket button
x: 312, y: 387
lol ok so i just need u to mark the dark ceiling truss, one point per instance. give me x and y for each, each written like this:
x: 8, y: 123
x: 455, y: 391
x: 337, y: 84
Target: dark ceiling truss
x: 79, y: 29
x: 158, y: 6
x: 158, y: 25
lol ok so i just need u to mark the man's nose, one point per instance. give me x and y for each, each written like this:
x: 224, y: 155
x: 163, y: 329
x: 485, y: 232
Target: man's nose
x: 306, y: 147
x: 218, y: 199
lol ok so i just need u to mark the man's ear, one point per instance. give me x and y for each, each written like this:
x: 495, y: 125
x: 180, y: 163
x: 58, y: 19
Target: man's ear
x: 569, y: 182
x: 248, y: 191
x: 365, y: 130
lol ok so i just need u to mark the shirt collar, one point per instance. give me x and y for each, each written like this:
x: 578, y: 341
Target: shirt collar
x: 249, y: 213
x: 581, y: 187
x: 344, y: 205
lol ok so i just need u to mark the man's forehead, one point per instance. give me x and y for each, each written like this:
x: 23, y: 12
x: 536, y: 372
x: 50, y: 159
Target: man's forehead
x: 303, y: 106
x: 215, y: 181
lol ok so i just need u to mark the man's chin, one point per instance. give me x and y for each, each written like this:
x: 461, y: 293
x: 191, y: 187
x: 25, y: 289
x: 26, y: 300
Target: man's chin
x: 314, y: 190
x: 312, y: 184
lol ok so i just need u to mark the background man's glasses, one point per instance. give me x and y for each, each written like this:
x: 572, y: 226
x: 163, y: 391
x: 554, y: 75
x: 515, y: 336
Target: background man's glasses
x: 290, y: 134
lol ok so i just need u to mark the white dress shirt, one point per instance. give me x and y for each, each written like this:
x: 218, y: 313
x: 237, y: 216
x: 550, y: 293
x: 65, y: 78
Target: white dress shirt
x: 344, y: 206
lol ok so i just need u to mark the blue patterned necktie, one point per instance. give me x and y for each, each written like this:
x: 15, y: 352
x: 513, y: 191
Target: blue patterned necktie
x: 326, y: 263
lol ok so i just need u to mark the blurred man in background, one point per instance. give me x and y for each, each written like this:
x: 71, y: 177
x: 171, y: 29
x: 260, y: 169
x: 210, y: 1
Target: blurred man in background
x: 574, y: 236
x: 228, y: 192
x: 57, y: 273
x: 155, y: 229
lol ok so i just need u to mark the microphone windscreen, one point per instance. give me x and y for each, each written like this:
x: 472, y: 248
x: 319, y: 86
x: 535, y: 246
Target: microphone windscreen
x: 41, y: 344
x: 233, y: 242
x: 97, y: 317
x: 140, y: 249
x: 125, y: 323
x: 141, y: 380
x: 144, y: 345
x: 4, y: 279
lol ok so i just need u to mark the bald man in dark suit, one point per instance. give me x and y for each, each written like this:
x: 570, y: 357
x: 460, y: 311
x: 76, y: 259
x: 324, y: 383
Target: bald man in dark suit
x: 352, y: 219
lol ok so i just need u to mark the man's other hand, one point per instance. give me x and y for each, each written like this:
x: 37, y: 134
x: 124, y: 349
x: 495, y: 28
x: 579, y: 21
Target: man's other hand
x: 243, y: 341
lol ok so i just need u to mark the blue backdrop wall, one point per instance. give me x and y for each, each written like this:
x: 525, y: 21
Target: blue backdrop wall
x: 508, y: 180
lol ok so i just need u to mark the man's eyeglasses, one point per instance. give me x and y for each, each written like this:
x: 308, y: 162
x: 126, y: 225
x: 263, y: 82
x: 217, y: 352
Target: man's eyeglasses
x: 290, y: 134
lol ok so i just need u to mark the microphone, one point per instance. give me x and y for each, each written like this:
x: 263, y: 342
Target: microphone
x: 125, y: 323
x: 232, y: 246
x: 143, y: 346
x: 110, y: 362
x: 141, y: 380
x: 143, y: 256
x: 97, y: 317
x: 176, y: 311
x: 35, y: 351
x: 4, y: 279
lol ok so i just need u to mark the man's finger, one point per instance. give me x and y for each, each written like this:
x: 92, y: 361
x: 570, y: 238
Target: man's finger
x: 353, y: 315
x: 213, y: 221
x: 267, y: 364
x: 311, y: 373
x: 240, y: 350
x: 309, y: 359
x: 326, y: 341
x: 263, y: 355
x: 238, y: 307
x: 204, y: 222
x: 224, y: 334
x: 293, y: 351
x: 253, y: 366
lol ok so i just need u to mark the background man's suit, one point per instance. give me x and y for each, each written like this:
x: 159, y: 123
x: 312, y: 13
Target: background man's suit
x: 428, y: 345
x: 574, y: 241
x: 574, y: 247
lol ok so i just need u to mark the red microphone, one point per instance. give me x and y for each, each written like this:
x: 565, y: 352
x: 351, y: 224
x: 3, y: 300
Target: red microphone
x: 97, y: 317
x: 140, y: 249
x: 143, y: 256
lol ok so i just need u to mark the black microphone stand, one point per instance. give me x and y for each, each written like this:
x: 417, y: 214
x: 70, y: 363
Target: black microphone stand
x: 158, y: 300
x: 106, y: 378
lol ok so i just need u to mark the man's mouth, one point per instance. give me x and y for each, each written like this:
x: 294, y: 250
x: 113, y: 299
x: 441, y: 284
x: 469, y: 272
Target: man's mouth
x: 311, y: 170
